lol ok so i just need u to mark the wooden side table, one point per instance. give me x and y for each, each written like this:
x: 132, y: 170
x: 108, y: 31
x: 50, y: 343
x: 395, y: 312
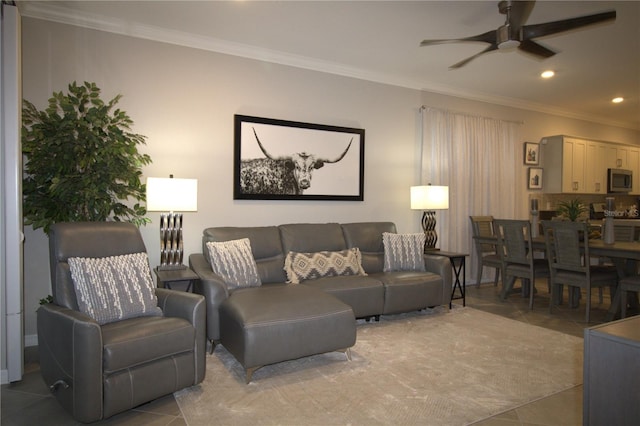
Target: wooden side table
x: 458, y: 264
x: 167, y: 276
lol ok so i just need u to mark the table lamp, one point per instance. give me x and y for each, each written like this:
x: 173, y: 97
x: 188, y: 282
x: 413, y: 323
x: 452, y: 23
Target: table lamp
x: 429, y: 199
x: 172, y: 195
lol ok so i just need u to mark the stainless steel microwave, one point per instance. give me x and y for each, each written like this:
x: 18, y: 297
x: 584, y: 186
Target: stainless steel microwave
x: 619, y: 180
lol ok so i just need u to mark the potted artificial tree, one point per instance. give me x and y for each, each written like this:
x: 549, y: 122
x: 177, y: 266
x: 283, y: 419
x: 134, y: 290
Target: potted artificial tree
x: 81, y: 161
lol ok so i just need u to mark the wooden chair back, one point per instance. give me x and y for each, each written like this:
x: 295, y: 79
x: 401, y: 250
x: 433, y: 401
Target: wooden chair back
x: 483, y: 226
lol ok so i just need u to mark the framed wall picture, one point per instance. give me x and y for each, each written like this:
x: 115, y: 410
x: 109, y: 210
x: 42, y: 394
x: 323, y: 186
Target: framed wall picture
x: 535, y: 178
x: 531, y: 153
x: 289, y: 160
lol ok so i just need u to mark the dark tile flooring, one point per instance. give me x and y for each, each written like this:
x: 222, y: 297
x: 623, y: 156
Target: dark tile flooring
x: 28, y: 402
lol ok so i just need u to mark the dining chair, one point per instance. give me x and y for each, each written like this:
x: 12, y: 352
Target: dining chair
x: 630, y: 283
x: 624, y: 232
x: 518, y: 259
x: 568, y: 254
x: 486, y: 254
x: 621, y: 233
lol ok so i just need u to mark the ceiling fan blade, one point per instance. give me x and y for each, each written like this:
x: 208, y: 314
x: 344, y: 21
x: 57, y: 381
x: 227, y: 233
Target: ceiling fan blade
x: 530, y: 46
x: 488, y: 37
x: 520, y: 11
x: 548, y: 28
x: 470, y: 58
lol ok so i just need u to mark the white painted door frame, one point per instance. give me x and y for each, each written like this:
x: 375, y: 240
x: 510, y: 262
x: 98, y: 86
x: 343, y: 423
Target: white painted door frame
x: 11, y: 236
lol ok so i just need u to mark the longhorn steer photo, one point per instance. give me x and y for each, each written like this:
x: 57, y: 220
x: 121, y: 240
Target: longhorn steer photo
x: 289, y: 175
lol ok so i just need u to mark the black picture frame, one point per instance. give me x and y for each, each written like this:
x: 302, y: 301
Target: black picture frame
x: 531, y: 153
x: 534, y: 178
x: 328, y: 160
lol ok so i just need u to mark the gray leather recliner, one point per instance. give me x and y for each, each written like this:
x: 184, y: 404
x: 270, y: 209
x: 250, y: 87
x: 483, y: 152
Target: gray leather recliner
x: 96, y: 371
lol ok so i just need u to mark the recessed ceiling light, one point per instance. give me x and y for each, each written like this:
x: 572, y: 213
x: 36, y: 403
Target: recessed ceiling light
x: 617, y: 100
x: 547, y: 74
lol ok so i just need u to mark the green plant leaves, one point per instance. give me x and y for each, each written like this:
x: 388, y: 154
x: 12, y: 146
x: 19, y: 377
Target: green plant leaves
x: 81, y: 160
x: 572, y: 209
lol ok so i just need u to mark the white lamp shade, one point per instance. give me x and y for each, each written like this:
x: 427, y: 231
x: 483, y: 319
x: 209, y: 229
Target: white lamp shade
x: 173, y: 195
x: 429, y: 197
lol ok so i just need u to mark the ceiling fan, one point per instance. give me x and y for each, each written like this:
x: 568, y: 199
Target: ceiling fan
x: 514, y: 32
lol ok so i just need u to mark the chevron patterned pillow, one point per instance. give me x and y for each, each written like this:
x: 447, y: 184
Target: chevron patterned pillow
x: 308, y: 266
x: 403, y: 252
x: 114, y: 288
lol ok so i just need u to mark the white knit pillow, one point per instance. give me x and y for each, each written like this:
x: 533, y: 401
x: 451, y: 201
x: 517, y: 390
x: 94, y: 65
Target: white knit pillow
x: 114, y: 288
x: 234, y: 262
x: 403, y: 252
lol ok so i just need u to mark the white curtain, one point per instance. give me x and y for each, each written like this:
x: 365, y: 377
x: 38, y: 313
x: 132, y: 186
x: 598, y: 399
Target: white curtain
x: 479, y: 158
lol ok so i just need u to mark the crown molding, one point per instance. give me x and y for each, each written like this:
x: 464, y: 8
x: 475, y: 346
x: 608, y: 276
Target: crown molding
x: 68, y: 16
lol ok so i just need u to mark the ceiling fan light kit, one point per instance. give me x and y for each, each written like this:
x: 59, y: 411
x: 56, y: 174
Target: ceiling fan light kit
x: 515, y: 34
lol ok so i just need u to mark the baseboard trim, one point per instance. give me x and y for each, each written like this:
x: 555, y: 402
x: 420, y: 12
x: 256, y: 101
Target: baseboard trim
x: 31, y: 340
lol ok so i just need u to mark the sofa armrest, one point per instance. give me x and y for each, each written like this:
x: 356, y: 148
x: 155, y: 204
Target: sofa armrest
x: 191, y: 307
x: 214, y: 290
x: 70, y: 350
x: 442, y: 266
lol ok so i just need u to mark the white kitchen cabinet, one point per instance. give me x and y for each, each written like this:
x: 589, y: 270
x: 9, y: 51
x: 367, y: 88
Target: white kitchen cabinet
x: 596, y: 170
x: 579, y: 166
x: 564, y: 163
x: 624, y: 157
x: 617, y: 157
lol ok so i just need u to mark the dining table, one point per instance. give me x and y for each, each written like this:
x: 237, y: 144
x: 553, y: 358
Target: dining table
x: 623, y: 254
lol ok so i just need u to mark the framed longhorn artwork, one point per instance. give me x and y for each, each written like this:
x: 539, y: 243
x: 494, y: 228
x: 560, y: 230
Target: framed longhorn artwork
x: 290, y: 160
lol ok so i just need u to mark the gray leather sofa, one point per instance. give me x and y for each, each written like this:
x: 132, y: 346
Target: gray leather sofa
x: 369, y: 296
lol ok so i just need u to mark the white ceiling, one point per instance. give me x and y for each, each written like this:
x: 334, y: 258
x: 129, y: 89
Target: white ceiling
x: 379, y: 41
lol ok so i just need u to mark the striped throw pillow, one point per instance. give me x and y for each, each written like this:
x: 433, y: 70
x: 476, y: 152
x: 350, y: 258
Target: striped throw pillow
x: 403, y: 252
x: 114, y: 288
x: 234, y: 262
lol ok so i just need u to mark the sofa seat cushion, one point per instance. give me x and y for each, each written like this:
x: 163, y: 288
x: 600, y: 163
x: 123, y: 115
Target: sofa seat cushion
x: 131, y: 342
x: 409, y: 290
x: 364, y: 294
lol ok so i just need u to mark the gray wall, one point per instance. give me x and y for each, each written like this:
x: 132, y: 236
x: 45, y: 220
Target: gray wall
x: 184, y: 100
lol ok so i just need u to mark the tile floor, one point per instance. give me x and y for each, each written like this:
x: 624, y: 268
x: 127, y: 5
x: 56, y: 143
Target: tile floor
x: 563, y: 408
x: 29, y: 403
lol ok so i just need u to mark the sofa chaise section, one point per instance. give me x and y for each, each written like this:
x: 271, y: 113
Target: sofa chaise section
x: 274, y: 323
x: 267, y: 252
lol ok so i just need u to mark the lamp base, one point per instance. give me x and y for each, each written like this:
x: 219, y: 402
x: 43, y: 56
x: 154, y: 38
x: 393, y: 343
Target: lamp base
x: 429, y: 228
x: 171, y: 245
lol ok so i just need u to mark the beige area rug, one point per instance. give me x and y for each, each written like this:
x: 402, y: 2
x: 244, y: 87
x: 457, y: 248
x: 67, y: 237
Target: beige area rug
x: 435, y: 367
